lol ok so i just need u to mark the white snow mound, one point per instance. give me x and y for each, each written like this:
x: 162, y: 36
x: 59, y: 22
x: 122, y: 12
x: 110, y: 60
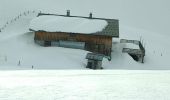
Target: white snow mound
x: 67, y: 24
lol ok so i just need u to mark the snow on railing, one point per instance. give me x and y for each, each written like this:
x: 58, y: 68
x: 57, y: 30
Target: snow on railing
x: 139, y: 53
x: 26, y: 13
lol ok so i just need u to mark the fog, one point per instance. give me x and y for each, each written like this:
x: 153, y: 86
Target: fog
x: 150, y: 15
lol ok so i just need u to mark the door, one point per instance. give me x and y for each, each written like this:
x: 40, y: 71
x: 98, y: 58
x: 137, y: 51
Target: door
x: 47, y: 43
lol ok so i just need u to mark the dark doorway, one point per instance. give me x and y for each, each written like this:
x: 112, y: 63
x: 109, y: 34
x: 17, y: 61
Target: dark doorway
x: 89, y: 65
x: 47, y: 43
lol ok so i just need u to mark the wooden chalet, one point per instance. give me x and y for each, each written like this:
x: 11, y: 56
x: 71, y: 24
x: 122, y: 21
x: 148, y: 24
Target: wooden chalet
x: 99, y: 41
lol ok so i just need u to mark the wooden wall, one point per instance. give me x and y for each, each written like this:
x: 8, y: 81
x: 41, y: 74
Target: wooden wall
x: 93, y: 43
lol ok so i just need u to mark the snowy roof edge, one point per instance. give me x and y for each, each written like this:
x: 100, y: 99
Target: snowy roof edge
x: 112, y: 29
x: 41, y: 14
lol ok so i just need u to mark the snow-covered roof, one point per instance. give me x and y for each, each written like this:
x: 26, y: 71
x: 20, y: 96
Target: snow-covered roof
x: 51, y: 23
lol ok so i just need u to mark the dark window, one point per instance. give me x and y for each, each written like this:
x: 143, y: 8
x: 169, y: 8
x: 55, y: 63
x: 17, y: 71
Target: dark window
x: 101, y: 47
x: 47, y: 43
x: 72, y: 34
x: 72, y: 37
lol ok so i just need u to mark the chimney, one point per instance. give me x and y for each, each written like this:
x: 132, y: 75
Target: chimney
x: 90, y: 15
x: 68, y: 12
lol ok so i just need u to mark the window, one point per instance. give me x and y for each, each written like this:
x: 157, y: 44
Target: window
x: 72, y: 37
x: 72, y: 34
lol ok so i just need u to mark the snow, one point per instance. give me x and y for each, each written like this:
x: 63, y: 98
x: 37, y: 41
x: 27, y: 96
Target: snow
x: 122, y: 78
x: 17, y: 45
x: 131, y: 45
x: 52, y: 23
x: 84, y: 85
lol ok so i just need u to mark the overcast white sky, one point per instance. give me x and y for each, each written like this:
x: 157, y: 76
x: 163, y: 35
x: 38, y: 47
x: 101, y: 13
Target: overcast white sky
x: 151, y: 15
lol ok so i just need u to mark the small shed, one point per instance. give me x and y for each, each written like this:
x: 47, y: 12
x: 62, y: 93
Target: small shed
x: 94, y: 61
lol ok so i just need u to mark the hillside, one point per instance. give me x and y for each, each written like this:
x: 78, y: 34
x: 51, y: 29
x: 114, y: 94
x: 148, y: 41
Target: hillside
x: 30, y: 72
x: 18, y: 47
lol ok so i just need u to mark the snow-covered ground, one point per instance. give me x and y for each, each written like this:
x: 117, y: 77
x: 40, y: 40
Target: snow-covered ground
x: 130, y: 80
x: 84, y: 85
x: 18, y: 50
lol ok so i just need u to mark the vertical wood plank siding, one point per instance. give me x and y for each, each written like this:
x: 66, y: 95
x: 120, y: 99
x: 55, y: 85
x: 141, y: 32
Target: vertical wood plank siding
x: 94, y: 43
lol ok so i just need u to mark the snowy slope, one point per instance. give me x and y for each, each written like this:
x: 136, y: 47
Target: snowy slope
x: 148, y: 19
x: 84, y: 85
x: 147, y: 15
x: 18, y: 48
